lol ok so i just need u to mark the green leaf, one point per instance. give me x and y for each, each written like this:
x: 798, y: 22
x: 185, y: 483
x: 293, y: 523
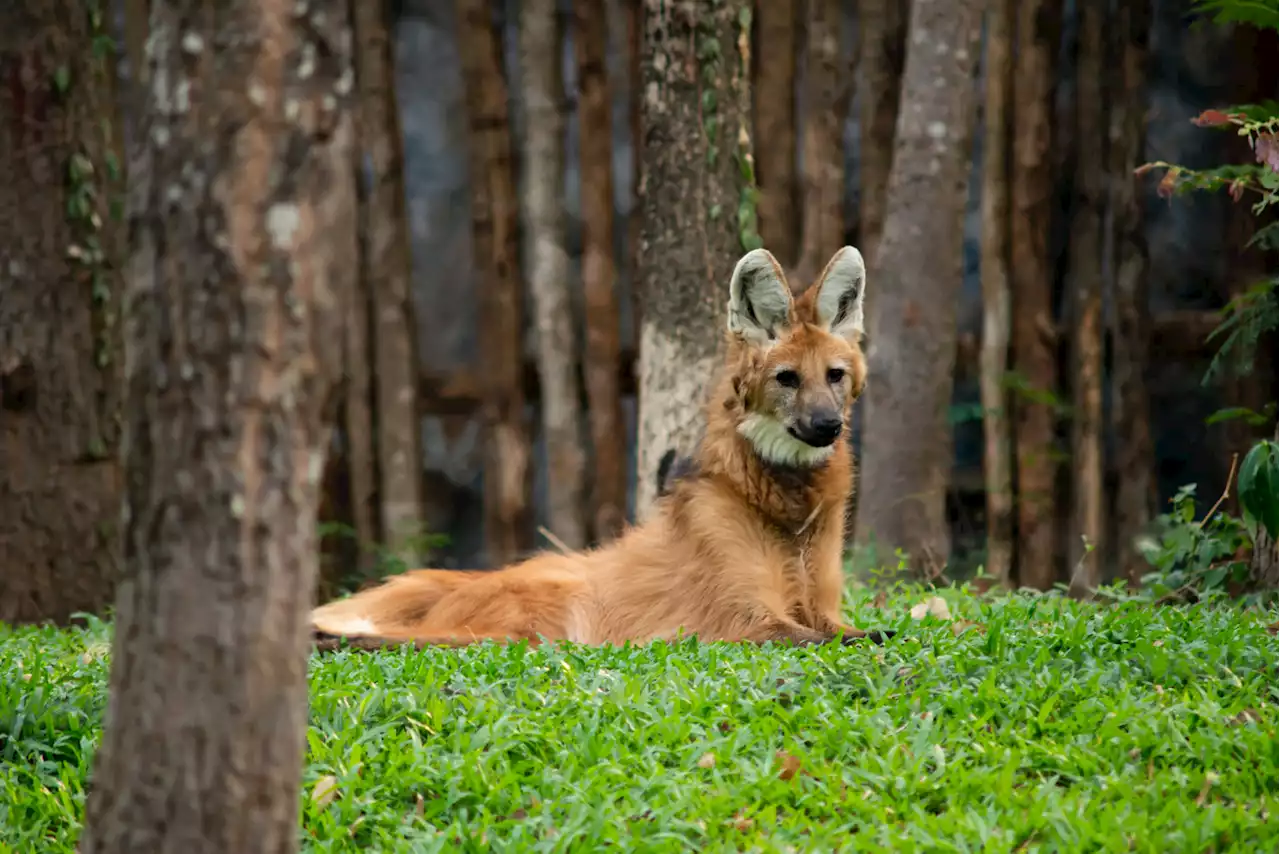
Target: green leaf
x: 1233, y: 412
x: 1259, y: 13
x: 62, y: 79
x: 1258, y: 485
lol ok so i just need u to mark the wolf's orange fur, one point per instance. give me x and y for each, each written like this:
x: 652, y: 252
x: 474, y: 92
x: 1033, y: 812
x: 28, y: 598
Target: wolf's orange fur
x: 745, y: 547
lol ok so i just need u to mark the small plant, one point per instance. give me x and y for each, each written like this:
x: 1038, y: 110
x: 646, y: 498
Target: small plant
x: 1195, y: 560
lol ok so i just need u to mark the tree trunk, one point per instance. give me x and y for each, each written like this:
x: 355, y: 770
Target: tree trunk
x: 542, y: 164
x: 136, y: 27
x: 996, y: 296
x: 386, y: 270
x: 1131, y: 330
x: 635, y: 35
x: 599, y: 272
x: 1085, y: 287
x: 695, y: 125
x: 1034, y: 339
x: 495, y: 229
x: 242, y: 266
x: 775, y: 123
x: 828, y: 91
x: 59, y: 309
x: 360, y: 456
x: 882, y: 29
x: 907, y: 448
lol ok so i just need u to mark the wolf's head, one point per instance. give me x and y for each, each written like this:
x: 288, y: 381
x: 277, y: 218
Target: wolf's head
x: 796, y: 364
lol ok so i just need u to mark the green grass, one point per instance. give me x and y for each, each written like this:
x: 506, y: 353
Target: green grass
x: 1053, y: 726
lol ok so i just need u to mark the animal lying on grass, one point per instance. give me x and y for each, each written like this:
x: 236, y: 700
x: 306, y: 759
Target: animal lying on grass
x: 745, y: 546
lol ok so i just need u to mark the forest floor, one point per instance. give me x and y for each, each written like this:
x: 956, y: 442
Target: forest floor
x: 1017, y: 723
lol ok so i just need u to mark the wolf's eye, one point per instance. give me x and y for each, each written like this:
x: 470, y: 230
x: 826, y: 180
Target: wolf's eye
x: 790, y: 379
x: 835, y: 375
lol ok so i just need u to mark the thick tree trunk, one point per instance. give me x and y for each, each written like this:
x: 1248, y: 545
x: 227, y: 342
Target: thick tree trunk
x: 912, y: 325
x: 828, y: 92
x: 777, y: 28
x: 386, y: 270
x: 599, y: 273
x: 882, y: 30
x: 495, y: 228
x: 59, y: 313
x: 1131, y: 329
x: 1085, y: 285
x: 542, y: 165
x: 1034, y: 342
x: 695, y: 120
x: 996, y: 296
x: 241, y: 270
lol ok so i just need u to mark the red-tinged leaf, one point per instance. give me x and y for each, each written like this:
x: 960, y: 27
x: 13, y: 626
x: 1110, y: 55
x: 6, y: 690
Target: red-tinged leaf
x: 1167, y: 185
x: 1211, y: 119
x: 1143, y: 169
x: 789, y: 765
x: 1237, y: 189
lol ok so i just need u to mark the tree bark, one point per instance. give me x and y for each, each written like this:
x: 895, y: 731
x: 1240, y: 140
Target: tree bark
x: 359, y: 459
x: 1085, y: 287
x: 495, y: 229
x: 242, y: 265
x: 635, y: 35
x: 695, y: 116
x: 542, y: 154
x: 775, y: 122
x: 828, y: 91
x: 599, y: 272
x: 59, y: 309
x: 136, y: 28
x: 1034, y: 341
x: 882, y: 30
x: 1131, y: 329
x: 996, y: 296
x: 907, y: 448
x: 386, y: 269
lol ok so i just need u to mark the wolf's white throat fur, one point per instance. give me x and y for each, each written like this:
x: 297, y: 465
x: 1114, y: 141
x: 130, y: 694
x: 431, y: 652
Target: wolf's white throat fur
x: 776, y: 445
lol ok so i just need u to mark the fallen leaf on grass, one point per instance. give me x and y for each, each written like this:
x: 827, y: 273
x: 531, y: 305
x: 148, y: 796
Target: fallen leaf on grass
x: 881, y: 598
x: 324, y: 791
x: 790, y: 765
x: 740, y: 822
x: 936, y: 606
x: 1210, y: 780
x: 1274, y: 628
x: 1244, y: 717
x: 959, y: 626
x: 707, y: 760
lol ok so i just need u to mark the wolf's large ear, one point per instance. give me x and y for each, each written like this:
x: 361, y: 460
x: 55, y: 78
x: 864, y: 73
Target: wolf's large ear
x: 841, y: 288
x: 760, y: 306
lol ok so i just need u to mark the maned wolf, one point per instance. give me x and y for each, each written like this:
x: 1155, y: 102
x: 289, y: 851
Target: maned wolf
x: 746, y: 544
